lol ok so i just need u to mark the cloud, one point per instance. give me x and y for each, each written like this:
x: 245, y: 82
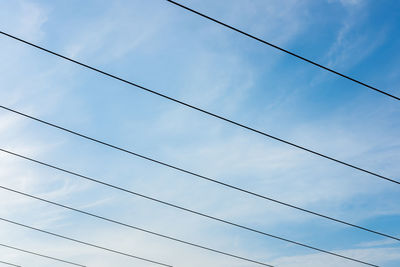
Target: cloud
x: 352, y: 44
x: 218, y: 77
x: 350, y: 2
x: 378, y: 243
x: 30, y: 21
x: 375, y: 256
x: 114, y: 33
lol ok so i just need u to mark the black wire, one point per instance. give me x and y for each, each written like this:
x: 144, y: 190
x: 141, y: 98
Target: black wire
x: 41, y: 255
x: 184, y: 209
x: 11, y: 264
x: 198, y: 109
x: 197, y: 175
x: 84, y: 243
x: 134, y: 227
x: 283, y: 50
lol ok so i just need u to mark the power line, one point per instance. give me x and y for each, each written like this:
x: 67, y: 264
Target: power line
x: 200, y: 110
x: 41, y: 255
x: 10, y: 264
x: 183, y: 208
x: 217, y: 116
x: 284, y: 50
x: 133, y: 227
x: 194, y: 174
x: 84, y: 243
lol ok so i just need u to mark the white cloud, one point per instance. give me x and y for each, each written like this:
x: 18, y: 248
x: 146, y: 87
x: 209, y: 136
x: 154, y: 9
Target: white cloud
x: 374, y: 256
x: 378, y: 243
x: 28, y: 24
x: 352, y: 44
x: 206, y: 145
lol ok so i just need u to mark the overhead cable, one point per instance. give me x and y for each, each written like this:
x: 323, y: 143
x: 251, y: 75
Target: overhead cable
x: 83, y: 242
x: 133, y: 227
x: 202, y: 110
x: 41, y: 255
x: 194, y: 174
x: 285, y: 51
x: 183, y: 208
x: 10, y: 264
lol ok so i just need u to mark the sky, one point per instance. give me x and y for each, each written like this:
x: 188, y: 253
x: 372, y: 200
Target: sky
x: 165, y: 48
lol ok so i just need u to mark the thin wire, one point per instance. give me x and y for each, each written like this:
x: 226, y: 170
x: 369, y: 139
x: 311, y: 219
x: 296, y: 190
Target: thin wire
x: 41, y: 255
x: 84, y: 243
x: 133, y: 227
x: 184, y: 209
x: 283, y: 50
x: 11, y: 264
x: 196, y: 175
x: 201, y: 110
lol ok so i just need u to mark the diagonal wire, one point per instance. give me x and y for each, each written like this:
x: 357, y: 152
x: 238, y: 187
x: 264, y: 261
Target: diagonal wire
x: 201, y: 110
x: 133, y: 227
x: 284, y: 50
x: 196, y: 175
x: 84, y: 243
x: 41, y: 255
x: 186, y: 209
x: 10, y: 264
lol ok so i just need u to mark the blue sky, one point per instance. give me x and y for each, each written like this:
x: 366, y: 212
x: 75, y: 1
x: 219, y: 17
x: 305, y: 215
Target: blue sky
x: 160, y: 46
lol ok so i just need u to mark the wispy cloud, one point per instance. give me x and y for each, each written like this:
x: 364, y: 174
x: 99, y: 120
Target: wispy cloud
x: 217, y: 70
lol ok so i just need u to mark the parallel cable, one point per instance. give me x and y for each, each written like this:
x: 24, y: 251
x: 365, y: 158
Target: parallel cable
x: 10, y: 264
x: 200, y: 109
x: 83, y: 243
x: 41, y: 255
x: 196, y: 175
x: 185, y: 209
x: 133, y: 227
x: 284, y: 50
